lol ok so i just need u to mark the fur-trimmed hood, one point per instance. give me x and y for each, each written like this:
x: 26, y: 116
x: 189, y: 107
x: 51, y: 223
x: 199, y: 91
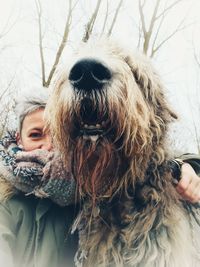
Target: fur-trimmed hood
x: 7, y: 190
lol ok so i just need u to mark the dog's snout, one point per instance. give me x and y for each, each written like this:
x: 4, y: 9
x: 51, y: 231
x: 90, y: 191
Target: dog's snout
x: 89, y: 74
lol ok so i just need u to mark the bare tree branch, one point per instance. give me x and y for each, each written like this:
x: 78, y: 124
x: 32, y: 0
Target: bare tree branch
x: 178, y: 29
x: 8, y: 103
x: 7, y: 28
x: 61, y: 47
x: 139, y: 36
x: 90, y: 24
x: 8, y: 86
x: 150, y: 30
x: 39, y: 12
x: 168, y: 8
x: 152, y: 23
x: 158, y: 30
x: 62, y: 44
x: 141, y: 6
x: 115, y: 18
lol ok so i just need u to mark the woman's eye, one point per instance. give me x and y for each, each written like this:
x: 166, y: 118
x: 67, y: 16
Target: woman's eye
x: 35, y: 135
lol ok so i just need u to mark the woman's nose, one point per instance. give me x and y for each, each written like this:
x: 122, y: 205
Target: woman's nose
x: 46, y: 143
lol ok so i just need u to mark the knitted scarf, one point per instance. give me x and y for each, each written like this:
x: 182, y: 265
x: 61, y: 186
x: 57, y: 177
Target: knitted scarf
x: 37, y: 172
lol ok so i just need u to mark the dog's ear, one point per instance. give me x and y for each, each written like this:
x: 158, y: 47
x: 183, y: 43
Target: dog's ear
x: 150, y: 85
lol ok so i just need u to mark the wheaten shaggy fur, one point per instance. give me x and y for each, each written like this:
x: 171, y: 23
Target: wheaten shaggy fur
x: 130, y: 214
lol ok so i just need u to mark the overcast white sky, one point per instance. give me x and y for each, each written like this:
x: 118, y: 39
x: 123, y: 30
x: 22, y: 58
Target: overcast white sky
x: 19, y: 54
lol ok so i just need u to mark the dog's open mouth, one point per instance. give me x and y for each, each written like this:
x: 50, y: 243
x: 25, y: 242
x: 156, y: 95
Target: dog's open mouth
x: 92, y: 121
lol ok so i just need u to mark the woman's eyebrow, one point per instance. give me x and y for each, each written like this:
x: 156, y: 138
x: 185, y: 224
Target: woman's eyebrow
x: 35, y: 129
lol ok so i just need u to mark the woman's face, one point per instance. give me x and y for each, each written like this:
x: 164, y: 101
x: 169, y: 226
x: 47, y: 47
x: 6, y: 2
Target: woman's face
x: 32, y: 134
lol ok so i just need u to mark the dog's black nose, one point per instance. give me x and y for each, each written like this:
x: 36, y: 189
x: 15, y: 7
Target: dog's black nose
x: 89, y: 74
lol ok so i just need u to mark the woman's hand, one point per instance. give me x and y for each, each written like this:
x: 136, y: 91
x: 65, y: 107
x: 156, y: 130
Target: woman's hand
x: 189, y: 185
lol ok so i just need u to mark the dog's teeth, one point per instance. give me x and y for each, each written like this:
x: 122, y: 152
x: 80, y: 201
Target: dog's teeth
x: 94, y: 138
x: 91, y: 127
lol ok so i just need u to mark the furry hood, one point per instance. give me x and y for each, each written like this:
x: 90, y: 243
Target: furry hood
x: 7, y: 190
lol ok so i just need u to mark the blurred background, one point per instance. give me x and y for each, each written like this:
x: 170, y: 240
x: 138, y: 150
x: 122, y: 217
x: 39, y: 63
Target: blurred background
x: 38, y: 35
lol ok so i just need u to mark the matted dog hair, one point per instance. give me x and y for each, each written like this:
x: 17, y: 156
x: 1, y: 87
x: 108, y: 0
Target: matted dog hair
x: 108, y: 110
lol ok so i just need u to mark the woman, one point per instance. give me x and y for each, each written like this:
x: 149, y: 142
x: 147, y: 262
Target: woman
x: 34, y: 230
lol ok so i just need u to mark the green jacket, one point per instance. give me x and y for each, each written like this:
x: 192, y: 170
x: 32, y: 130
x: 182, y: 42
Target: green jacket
x: 36, y: 232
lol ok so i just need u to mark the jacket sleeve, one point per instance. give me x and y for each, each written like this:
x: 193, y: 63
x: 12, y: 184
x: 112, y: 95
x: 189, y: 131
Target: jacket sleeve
x: 7, y: 236
x: 193, y: 160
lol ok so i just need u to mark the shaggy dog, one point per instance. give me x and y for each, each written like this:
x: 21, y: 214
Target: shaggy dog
x: 108, y: 112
